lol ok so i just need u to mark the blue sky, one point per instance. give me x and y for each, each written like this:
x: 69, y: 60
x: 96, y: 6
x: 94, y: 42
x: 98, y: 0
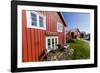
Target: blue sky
x: 77, y: 20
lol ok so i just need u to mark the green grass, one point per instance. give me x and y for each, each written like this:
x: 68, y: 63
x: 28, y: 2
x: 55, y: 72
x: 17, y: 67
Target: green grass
x: 81, y: 49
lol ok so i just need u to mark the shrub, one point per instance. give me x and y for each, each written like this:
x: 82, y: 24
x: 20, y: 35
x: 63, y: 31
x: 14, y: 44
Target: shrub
x: 70, y: 41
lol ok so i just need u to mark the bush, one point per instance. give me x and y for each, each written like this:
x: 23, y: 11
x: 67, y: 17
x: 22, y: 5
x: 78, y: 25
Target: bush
x: 70, y: 41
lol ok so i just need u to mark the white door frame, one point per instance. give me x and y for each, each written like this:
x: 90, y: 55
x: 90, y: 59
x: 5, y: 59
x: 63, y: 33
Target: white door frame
x: 51, y: 37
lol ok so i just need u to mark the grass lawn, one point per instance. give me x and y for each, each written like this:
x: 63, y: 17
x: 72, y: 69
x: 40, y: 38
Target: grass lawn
x: 81, y: 49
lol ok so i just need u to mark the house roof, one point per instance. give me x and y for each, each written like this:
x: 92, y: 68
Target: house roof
x: 62, y: 18
x: 75, y: 29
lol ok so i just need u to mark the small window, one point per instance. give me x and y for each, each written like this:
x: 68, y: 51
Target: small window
x: 59, y: 27
x: 34, y: 19
x: 41, y: 21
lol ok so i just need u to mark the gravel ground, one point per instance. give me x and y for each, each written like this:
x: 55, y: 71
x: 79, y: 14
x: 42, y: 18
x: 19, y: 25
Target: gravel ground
x: 60, y: 55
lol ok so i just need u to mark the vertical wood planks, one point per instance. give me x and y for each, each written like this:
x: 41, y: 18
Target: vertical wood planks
x: 34, y: 40
x: 24, y: 38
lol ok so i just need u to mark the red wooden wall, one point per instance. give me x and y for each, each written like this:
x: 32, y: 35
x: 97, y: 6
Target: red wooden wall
x: 51, y: 24
x: 34, y: 40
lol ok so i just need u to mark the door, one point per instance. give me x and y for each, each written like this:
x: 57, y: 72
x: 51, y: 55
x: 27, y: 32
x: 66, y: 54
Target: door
x: 51, y: 43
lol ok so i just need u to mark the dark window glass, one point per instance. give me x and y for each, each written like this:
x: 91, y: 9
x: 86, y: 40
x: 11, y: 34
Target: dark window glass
x: 41, y: 21
x: 34, y: 19
x: 52, y: 43
x: 55, y: 42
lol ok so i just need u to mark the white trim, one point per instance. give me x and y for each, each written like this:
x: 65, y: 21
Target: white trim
x: 51, y: 37
x: 29, y: 20
x: 53, y: 63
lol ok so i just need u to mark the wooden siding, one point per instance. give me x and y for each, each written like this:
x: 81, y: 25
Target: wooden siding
x: 51, y: 24
x: 34, y: 40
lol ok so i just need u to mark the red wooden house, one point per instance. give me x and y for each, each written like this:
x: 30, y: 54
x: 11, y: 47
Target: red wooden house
x: 41, y: 30
x: 73, y: 34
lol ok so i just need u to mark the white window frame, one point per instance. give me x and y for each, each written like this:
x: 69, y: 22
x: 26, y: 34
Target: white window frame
x: 29, y: 20
x: 58, y: 23
x: 51, y: 37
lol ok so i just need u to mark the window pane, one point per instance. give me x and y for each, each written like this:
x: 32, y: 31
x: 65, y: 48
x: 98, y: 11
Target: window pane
x: 55, y: 42
x: 59, y: 27
x: 52, y: 43
x: 49, y: 44
x: 34, y: 19
x: 41, y: 21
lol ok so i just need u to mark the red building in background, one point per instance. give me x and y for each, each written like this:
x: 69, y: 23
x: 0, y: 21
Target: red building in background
x: 41, y: 31
x: 73, y: 34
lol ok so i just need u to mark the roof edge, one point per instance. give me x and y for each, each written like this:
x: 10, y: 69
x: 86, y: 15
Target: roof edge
x: 62, y: 18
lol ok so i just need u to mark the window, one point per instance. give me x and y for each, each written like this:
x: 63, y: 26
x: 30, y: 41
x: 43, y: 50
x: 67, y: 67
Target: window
x: 41, y: 21
x: 35, y: 20
x: 59, y: 27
